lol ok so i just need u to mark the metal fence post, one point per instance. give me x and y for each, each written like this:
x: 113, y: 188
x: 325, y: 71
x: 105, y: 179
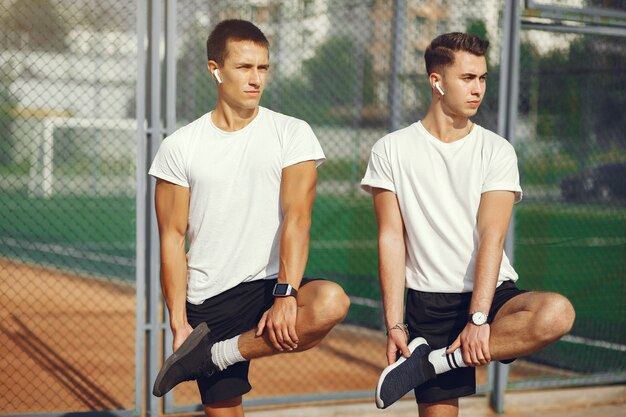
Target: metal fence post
x: 154, y: 135
x: 507, y: 118
x: 140, y: 208
x: 397, y: 49
x: 170, y: 127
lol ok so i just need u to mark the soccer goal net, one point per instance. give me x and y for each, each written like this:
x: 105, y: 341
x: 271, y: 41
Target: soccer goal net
x: 84, y: 157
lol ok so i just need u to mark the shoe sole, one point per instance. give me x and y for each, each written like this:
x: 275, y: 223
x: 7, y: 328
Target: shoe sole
x: 412, y: 346
x: 190, y: 343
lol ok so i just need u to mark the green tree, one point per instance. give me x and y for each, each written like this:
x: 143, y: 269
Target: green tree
x: 558, y: 99
x: 196, y: 92
x: 337, y: 83
x: 574, y: 98
x: 487, y: 116
x: 330, y: 71
x: 478, y: 27
x: 581, y: 97
x: 598, y: 64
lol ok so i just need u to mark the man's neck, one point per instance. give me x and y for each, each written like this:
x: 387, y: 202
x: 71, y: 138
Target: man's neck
x: 229, y: 119
x: 446, y: 128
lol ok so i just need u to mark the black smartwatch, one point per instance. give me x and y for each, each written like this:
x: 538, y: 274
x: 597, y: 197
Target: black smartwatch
x: 284, y: 290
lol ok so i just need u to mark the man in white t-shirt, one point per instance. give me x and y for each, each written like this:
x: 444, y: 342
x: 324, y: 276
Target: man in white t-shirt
x: 238, y: 186
x: 444, y: 190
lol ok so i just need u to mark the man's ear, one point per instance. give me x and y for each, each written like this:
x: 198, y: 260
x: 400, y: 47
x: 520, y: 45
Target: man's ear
x: 214, y: 70
x: 435, y: 82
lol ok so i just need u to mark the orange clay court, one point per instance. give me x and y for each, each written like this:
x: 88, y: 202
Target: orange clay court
x: 68, y: 344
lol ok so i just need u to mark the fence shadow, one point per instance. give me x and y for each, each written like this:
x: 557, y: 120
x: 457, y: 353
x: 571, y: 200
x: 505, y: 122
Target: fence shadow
x: 76, y: 381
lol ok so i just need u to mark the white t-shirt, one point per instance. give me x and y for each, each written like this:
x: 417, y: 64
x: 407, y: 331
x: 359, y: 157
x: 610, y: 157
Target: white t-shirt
x: 438, y: 186
x: 234, y: 211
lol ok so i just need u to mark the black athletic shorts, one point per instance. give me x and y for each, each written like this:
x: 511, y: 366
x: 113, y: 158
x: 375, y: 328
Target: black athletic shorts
x: 229, y: 314
x: 439, y: 318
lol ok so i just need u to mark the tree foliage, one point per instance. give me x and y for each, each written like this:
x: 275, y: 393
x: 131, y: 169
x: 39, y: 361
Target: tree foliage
x: 196, y: 93
x: 580, y: 95
x: 333, y: 87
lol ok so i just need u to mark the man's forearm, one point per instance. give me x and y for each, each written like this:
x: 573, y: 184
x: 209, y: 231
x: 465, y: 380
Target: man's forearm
x: 297, y: 196
x: 294, y: 248
x: 494, y: 215
x: 174, y: 282
x: 391, y: 271
x: 486, y: 273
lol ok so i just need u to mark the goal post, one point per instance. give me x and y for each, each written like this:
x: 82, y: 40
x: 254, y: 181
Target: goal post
x: 83, y: 156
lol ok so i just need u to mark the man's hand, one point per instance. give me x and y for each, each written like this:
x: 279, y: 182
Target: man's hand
x: 474, y: 343
x: 181, y: 335
x: 280, y: 322
x: 396, y: 343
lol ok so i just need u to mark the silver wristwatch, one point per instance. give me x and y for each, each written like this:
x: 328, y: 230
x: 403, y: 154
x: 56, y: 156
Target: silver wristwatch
x: 478, y: 318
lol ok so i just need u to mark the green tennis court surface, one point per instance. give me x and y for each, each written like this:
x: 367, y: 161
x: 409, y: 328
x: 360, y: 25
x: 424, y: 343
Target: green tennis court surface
x: 82, y: 234
x: 579, y: 251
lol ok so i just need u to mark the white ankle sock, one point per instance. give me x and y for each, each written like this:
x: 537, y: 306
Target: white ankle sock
x: 444, y: 362
x: 226, y: 353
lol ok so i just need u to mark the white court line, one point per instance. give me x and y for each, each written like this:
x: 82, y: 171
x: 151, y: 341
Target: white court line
x: 586, y: 242
x: 367, y: 302
x: 592, y: 342
x: 344, y: 244
x: 67, y: 251
x: 583, y: 242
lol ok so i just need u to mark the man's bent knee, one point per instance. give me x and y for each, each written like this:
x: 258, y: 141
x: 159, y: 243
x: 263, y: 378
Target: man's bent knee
x: 565, y: 315
x: 327, y: 302
x: 556, y: 317
x: 332, y: 303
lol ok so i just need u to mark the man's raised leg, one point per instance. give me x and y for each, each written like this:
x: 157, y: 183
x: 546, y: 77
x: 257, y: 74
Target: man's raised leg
x: 524, y: 324
x: 528, y: 323
x: 321, y: 306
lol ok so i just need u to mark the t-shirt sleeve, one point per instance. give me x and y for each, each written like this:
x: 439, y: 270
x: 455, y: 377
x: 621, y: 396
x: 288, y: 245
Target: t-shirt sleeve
x: 378, y: 173
x: 301, y: 145
x: 169, y: 162
x: 503, y: 174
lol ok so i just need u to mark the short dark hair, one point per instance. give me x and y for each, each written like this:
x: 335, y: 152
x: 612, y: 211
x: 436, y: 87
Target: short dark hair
x: 236, y: 30
x: 440, y: 52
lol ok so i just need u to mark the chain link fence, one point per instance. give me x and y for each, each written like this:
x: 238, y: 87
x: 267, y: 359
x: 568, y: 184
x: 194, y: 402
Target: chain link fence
x: 354, y: 70
x: 570, y: 231
x: 67, y: 163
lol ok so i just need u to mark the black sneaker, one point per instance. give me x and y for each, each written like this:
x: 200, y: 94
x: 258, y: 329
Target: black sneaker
x: 191, y: 361
x: 405, y: 374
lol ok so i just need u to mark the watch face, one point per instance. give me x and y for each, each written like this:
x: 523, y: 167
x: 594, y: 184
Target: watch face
x: 479, y: 318
x: 281, y: 290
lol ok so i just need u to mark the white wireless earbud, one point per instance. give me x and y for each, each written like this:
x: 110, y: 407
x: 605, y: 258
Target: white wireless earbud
x: 216, y: 72
x: 439, y: 88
